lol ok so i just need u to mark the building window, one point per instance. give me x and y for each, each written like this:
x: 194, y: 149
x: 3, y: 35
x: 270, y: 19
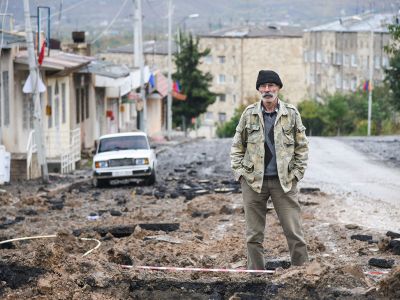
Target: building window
x: 338, y: 59
x: 346, y: 60
x: 209, y: 115
x: 28, y: 111
x: 385, y: 61
x: 221, y: 117
x: 345, y: 84
x: 63, y: 104
x: 353, y: 60
x: 234, y: 98
x: 82, y: 92
x: 6, y: 98
x: 221, y: 78
x: 353, y: 84
x: 338, y: 79
x: 221, y: 59
x: 326, y: 58
x: 221, y: 97
x: 319, y: 57
x: 87, y: 102
x: 305, y: 56
x: 57, y: 111
x: 49, y: 106
x: 208, y: 59
x: 377, y: 62
x: 77, y: 105
x: 234, y: 78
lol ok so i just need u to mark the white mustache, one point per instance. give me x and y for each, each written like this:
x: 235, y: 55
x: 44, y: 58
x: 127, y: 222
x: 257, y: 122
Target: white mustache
x: 268, y: 94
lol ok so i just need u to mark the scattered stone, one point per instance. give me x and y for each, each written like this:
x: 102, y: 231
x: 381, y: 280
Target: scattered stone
x: 180, y: 170
x: 115, y: 213
x: 173, y: 195
x: 28, y: 212
x: 167, y: 227
x: 188, y: 196
x: 394, y: 245
x: 309, y: 190
x: 352, y: 226
x: 44, y: 285
x: 163, y: 238
x: 239, y: 264
x: 274, y: 264
x: 224, y: 190
x: 203, y: 181
x: 197, y: 214
x: 393, y: 235
x: 226, y: 210
x: 185, y: 187
x: 201, y: 192
x: 381, y: 263
x: 120, y: 258
x: 361, y: 237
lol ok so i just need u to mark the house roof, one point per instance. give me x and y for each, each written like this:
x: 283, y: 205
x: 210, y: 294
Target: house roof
x: 149, y: 47
x: 256, y: 31
x: 57, y: 61
x: 357, y: 23
x: 105, y: 68
x: 8, y: 39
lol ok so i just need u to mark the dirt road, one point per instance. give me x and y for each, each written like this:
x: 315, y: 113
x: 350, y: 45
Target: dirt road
x: 192, y: 218
x: 366, y: 188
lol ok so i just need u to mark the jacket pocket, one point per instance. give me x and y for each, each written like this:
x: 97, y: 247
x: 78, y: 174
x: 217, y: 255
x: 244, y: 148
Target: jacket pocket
x: 248, y: 166
x: 254, y: 133
x: 288, y: 135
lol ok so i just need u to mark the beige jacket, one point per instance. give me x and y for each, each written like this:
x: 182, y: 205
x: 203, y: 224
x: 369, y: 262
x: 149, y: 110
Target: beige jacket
x: 291, y: 146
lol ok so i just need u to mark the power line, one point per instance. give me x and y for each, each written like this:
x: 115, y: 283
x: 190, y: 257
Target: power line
x: 111, y: 23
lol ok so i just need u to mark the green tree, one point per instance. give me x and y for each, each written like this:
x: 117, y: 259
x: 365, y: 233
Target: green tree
x: 312, y: 116
x: 194, y: 83
x: 337, y: 115
x: 228, y: 128
x: 393, y: 73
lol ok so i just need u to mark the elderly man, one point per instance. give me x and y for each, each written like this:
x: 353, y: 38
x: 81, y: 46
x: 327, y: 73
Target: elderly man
x: 268, y: 156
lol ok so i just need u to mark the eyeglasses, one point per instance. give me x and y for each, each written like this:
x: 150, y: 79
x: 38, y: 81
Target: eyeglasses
x: 268, y: 85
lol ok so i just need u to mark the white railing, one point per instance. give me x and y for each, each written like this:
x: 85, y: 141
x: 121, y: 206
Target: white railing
x: 73, y: 154
x: 31, y: 148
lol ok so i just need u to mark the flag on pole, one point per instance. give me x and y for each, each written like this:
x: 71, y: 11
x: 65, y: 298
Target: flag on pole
x: 152, y: 81
x: 177, y: 86
x: 41, y: 54
x: 367, y: 86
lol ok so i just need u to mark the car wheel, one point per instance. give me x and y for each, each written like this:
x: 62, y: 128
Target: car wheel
x: 151, y: 179
x: 98, y: 183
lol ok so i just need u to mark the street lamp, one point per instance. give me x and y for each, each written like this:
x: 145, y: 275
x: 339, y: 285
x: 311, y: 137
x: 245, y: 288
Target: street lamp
x: 178, y: 33
x: 371, y: 70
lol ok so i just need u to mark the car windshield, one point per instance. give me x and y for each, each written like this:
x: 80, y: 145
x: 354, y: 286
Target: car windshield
x: 123, y: 143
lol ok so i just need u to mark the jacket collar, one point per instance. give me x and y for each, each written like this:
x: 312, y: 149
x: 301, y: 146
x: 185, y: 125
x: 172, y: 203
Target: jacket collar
x: 282, y: 111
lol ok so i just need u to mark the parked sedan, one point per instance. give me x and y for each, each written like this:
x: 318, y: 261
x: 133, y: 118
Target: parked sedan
x: 124, y: 156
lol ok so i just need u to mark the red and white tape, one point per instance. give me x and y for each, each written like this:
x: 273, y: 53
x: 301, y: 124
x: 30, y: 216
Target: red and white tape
x: 197, y: 269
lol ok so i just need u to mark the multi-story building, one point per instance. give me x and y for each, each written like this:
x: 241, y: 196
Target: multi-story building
x: 234, y: 61
x: 337, y: 55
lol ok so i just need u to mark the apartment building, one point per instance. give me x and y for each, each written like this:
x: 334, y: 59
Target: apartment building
x: 236, y: 56
x: 337, y: 55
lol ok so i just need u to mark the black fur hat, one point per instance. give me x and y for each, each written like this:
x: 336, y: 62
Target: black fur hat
x: 268, y: 76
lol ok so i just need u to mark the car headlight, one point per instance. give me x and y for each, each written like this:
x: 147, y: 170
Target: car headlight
x: 141, y: 161
x: 101, y: 164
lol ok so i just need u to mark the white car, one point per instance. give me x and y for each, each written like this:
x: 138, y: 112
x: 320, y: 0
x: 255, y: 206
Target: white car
x: 124, y: 156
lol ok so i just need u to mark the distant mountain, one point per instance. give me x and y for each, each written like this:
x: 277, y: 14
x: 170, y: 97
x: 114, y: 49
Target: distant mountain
x: 93, y: 16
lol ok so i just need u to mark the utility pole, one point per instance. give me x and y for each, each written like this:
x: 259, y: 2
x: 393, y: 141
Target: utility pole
x: 34, y: 75
x: 169, y: 97
x: 371, y: 77
x: 138, y: 56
